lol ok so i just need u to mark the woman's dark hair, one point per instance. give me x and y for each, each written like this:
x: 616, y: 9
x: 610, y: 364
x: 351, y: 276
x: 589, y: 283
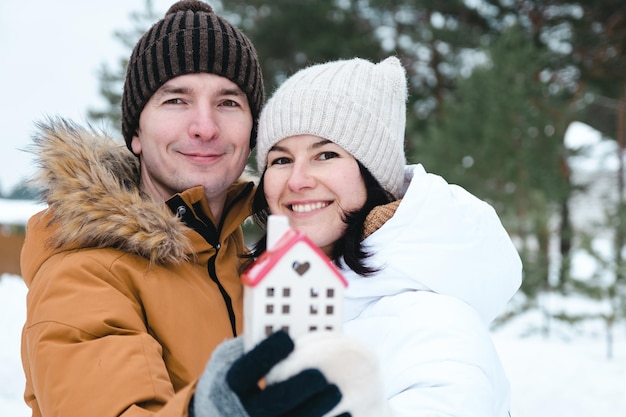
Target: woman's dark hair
x: 350, y: 245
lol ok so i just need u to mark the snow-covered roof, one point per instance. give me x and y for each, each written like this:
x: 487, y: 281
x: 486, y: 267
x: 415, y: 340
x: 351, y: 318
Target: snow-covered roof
x: 17, y: 212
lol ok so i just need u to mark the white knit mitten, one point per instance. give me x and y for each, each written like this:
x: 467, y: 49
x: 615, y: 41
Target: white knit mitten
x: 344, y: 362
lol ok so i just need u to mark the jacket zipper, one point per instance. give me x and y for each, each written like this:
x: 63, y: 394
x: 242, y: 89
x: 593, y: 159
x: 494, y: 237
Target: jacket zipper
x: 206, y: 229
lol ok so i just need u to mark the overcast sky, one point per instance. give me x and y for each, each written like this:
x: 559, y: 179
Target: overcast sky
x: 50, y: 53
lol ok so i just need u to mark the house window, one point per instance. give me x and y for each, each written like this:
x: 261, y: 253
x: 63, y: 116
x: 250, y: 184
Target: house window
x: 312, y: 328
x: 285, y: 309
x: 313, y: 309
x: 330, y: 292
x: 330, y: 310
x: 285, y: 328
x: 269, y: 330
x: 329, y: 328
x: 286, y: 292
x: 315, y: 292
x: 270, y: 291
x: 269, y: 308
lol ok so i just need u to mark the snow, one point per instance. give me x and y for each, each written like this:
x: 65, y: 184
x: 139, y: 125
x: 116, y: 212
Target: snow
x: 12, y: 316
x: 593, y: 153
x: 566, y: 373
x: 18, y: 211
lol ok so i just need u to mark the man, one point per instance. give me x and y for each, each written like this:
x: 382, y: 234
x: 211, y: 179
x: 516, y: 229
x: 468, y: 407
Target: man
x: 133, y: 270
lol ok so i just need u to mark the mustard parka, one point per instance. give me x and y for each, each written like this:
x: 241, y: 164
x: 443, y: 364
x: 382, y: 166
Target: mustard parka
x: 127, y: 298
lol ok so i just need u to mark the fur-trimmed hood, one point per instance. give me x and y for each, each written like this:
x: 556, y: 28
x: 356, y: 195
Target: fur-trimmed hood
x: 91, y: 185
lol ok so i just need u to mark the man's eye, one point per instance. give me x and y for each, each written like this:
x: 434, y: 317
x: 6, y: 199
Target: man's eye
x: 327, y: 155
x: 230, y: 103
x: 173, y: 101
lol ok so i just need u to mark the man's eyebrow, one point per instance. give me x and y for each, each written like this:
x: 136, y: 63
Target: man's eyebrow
x: 172, y: 89
x: 231, y: 92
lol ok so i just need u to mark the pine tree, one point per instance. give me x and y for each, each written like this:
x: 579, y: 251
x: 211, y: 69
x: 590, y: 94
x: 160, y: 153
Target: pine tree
x: 112, y: 79
x: 500, y: 135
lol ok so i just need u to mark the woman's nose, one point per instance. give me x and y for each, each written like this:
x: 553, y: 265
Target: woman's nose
x: 301, y: 177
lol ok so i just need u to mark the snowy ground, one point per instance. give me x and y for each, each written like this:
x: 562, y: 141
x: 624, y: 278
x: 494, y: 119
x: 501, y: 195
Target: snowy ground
x: 566, y: 374
x: 12, y: 315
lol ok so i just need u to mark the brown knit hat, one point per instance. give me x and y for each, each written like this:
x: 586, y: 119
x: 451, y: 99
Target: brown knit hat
x: 191, y: 38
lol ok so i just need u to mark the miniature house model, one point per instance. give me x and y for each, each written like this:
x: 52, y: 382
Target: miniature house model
x: 293, y: 286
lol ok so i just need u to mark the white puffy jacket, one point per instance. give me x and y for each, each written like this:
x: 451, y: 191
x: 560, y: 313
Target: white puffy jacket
x: 448, y: 269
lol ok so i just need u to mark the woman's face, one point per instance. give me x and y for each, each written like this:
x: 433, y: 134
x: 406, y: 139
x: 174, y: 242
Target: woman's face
x: 313, y: 182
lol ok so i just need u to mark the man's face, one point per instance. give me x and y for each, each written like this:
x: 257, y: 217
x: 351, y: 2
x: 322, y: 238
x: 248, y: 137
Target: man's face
x: 194, y: 130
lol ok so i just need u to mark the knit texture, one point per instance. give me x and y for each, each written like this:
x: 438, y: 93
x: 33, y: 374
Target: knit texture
x: 378, y: 217
x: 191, y: 38
x: 213, y: 396
x: 359, y: 105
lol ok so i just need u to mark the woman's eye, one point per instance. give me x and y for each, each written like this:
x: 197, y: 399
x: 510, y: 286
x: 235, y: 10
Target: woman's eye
x: 327, y: 155
x: 280, y: 161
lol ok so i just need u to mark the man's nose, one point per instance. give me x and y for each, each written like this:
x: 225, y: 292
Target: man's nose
x: 203, y: 124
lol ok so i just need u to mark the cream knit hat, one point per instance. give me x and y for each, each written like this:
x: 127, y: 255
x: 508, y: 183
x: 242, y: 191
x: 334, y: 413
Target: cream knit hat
x: 359, y: 105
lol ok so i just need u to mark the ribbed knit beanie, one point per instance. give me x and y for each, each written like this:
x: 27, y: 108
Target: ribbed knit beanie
x: 191, y: 38
x: 359, y: 105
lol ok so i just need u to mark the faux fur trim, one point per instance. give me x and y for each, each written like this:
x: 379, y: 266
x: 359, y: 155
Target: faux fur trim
x: 90, y: 183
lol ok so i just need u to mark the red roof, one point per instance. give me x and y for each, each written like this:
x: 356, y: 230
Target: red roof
x: 269, y: 258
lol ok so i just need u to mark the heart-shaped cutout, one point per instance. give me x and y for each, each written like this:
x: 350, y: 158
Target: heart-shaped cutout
x: 300, y: 268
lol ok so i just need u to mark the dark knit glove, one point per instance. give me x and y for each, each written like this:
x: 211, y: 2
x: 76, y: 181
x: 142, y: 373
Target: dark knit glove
x: 307, y: 394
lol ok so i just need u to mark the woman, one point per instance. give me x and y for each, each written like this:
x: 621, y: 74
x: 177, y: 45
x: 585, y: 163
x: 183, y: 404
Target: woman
x: 428, y: 264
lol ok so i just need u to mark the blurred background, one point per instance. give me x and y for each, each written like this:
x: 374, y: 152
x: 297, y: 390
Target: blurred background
x: 521, y: 102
